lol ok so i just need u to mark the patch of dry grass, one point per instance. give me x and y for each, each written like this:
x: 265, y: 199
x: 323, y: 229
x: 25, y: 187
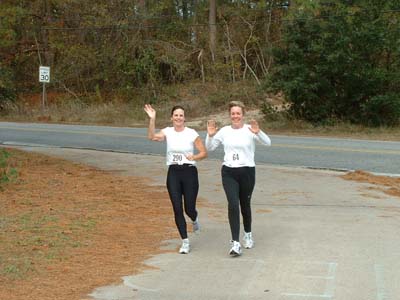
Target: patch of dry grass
x: 67, y: 228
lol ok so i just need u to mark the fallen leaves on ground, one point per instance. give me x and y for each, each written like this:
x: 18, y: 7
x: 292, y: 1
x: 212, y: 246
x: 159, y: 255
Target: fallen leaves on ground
x: 66, y: 228
x: 391, y: 184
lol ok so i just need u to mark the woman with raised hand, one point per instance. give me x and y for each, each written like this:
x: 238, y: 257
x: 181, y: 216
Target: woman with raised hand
x: 238, y: 169
x: 182, y: 177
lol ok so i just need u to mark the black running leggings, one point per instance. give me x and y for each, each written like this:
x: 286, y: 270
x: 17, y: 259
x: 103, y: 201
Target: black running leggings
x: 183, y: 182
x: 238, y: 185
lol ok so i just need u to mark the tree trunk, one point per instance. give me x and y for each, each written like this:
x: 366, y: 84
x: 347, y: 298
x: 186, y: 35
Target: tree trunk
x: 212, y: 21
x: 185, y: 10
x: 141, y: 4
x: 45, y: 33
x: 193, y: 29
x: 228, y: 35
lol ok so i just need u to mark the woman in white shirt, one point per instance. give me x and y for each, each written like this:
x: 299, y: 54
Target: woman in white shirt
x: 238, y: 169
x: 182, y: 177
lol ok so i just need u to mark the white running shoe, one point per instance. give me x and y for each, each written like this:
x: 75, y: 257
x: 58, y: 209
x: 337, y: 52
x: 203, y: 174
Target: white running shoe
x: 248, y: 240
x: 236, y: 249
x: 185, y: 248
x: 196, y: 225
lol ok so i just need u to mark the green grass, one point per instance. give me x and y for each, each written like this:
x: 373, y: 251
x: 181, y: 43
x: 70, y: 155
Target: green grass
x: 34, y: 239
x: 16, y: 268
x: 8, y: 172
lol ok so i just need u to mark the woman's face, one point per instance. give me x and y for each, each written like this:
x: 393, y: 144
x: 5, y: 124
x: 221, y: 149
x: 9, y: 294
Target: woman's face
x: 178, y: 117
x: 236, y: 115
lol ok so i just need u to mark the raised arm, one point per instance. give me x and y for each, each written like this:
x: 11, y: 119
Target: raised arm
x: 211, y: 143
x: 259, y: 134
x: 151, y: 134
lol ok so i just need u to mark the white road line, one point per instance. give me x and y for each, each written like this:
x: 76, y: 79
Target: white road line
x: 307, y: 295
x: 330, y: 282
x: 380, y: 282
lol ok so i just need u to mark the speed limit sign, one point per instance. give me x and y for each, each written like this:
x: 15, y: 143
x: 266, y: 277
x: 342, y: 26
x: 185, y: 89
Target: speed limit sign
x: 44, y: 74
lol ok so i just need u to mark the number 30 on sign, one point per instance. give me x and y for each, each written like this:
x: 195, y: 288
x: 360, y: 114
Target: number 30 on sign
x: 44, y: 74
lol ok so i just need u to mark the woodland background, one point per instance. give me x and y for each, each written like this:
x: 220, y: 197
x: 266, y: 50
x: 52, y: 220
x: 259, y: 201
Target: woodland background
x: 322, y: 62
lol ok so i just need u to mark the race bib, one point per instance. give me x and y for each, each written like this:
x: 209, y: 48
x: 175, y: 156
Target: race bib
x: 177, y: 158
x: 235, y: 157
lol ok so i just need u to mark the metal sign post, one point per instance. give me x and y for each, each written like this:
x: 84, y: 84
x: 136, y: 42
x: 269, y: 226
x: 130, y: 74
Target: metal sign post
x: 44, y: 77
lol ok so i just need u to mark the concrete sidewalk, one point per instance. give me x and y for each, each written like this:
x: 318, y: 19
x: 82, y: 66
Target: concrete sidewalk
x: 317, y: 237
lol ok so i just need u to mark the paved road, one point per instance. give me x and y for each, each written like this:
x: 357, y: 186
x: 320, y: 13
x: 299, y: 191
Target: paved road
x: 320, y: 153
x: 317, y: 237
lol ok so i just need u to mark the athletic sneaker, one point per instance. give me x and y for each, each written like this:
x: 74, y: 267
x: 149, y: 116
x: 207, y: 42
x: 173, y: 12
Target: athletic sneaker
x: 196, y: 225
x: 185, y: 248
x: 236, y: 249
x: 248, y: 240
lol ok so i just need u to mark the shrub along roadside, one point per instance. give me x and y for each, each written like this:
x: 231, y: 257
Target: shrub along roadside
x: 341, y: 62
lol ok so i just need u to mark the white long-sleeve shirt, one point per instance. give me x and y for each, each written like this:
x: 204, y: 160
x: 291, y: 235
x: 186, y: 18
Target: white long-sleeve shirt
x: 239, y: 145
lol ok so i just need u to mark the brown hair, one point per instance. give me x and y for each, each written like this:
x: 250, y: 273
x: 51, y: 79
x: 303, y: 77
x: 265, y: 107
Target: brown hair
x: 237, y: 103
x: 175, y: 108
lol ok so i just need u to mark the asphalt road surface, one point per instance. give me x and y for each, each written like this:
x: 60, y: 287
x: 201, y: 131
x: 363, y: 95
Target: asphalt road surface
x: 380, y: 157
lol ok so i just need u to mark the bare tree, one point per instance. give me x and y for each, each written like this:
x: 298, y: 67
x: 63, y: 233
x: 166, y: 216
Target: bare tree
x: 243, y: 52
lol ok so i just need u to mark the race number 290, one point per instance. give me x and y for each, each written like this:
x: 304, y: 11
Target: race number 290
x: 177, y: 158
x: 44, y: 74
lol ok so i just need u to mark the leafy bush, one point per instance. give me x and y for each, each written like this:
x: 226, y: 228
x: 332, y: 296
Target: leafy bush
x: 382, y: 110
x: 7, y: 89
x: 336, y: 58
x: 8, y: 17
x: 274, y: 112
